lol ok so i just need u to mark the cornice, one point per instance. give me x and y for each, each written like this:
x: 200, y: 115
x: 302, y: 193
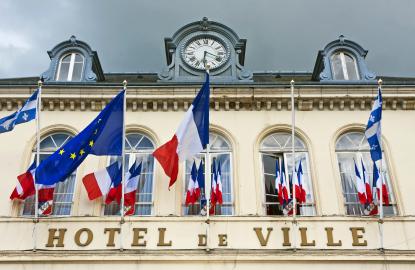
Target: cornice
x: 235, y: 98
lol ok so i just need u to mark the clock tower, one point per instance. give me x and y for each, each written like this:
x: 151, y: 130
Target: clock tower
x: 204, y: 44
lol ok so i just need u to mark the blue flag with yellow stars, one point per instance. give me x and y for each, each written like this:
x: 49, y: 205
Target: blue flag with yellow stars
x: 103, y: 136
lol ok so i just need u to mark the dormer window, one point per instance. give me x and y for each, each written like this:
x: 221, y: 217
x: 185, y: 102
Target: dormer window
x: 344, y: 66
x: 70, y: 67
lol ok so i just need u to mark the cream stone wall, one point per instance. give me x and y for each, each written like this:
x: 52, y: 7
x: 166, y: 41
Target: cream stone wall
x: 245, y: 115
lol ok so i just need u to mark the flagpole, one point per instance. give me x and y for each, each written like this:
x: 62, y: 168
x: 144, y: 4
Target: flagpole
x: 293, y: 161
x: 38, y: 105
x: 381, y: 183
x: 207, y: 185
x: 123, y: 163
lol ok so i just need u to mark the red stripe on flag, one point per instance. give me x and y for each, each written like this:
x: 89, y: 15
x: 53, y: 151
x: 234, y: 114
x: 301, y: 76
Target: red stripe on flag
x: 91, y: 186
x: 168, y: 159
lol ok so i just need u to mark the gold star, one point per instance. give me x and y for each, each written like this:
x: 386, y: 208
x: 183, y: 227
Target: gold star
x: 82, y: 152
x: 61, y: 152
x: 91, y: 143
x: 73, y: 156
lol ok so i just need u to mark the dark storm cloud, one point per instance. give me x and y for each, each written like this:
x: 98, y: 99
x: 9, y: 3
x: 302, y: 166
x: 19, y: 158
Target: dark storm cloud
x: 282, y: 35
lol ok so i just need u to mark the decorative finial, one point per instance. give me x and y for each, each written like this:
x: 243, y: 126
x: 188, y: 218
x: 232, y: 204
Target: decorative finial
x: 124, y: 83
x: 380, y: 82
x: 39, y: 83
x: 341, y: 38
x: 72, y: 39
x: 292, y: 82
x: 207, y: 66
x: 204, y: 24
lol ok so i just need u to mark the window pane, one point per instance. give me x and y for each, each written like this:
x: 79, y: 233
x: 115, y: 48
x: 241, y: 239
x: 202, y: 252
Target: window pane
x: 351, y: 67
x: 77, y: 71
x: 63, y: 72
x: 337, y: 68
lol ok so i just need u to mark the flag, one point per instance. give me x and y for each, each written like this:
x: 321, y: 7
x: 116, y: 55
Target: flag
x: 201, y: 175
x: 197, y: 191
x: 25, y: 188
x: 214, y: 176
x: 284, y: 184
x: 302, y: 191
x: 191, y: 137
x: 25, y: 114
x: 369, y: 195
x: 130, y: 188
x: 378, y: 184
x: 103, y: 136
x: 360, y: 186
x: 98, y: 184
x: 219, y: 197
x: 278, y: 182
x: 373, y: 129
x: 190, y: 194
x: 296, y: 185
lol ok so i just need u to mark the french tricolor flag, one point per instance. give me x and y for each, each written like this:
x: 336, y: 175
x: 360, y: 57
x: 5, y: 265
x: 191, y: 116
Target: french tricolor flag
x: 377, y: 183
x: 191, y: 187
x: 360, y: 186
x: 302, y: 194
x: 130, y: 188
x: 369, y: 195
x: 98, y: 184
x: 285, y: 188
x: 278, y: 183
x: 191, y: 137
x: 25, y: 187
x: 219, y: 198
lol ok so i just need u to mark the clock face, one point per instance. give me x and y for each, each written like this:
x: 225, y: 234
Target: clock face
x: 205, y: 50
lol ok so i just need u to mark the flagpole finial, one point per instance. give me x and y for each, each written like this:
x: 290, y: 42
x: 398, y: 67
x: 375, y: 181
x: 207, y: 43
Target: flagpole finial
x: 380, y: 82
x: 207, y: 66
x: 124, y: 83
x: 292, y: 82
x: 39, y: 83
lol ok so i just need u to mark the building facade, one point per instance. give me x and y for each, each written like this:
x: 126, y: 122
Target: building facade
x: 249, y: 132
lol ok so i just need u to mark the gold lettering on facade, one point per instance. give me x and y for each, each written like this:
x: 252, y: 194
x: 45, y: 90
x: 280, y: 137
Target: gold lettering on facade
x: 162, y: 234
x: 304, y: 240
x: 263, y: 241
x: 89, y: 237
x: 356, y: 236
x: 111, y: 236
x: 202, y: 240
x: 52, y: 237
x: 330, y: 238
x: 138, y: 235
x: 223, y: 240
x: 286, y: 236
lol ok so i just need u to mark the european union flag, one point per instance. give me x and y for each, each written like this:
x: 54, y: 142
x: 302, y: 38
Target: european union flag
x: 103, y: 136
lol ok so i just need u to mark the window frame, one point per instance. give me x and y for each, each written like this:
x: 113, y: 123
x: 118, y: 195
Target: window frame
x: 358, y: 152
x: 231, y: 175
x: 135, y: 152
x: 344, y: 70
x: 71, y: 67
x: 75, y: 174
x: 283, y: 154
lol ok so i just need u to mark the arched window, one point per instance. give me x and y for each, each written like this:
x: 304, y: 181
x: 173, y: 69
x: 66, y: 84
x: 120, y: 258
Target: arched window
x: 344, y: 66
x: 353, y: 147
x: 63, y: 194
x: 277, y: 147
x: 138, y: 147
x: 70, y: 67
x: 220, y: 153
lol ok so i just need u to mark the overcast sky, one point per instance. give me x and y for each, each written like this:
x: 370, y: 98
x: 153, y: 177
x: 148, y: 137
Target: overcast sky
x: 282, y: 35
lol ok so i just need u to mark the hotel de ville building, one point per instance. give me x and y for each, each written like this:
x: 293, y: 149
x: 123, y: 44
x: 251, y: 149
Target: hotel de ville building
x: 250, y: 132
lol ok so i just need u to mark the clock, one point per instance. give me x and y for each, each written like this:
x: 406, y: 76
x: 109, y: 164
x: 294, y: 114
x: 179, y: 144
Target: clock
x: 201, y: 51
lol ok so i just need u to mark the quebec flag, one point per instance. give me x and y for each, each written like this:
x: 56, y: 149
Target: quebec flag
x: 373, y: 129
x: 25, y: 114
x: 191, y: 137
